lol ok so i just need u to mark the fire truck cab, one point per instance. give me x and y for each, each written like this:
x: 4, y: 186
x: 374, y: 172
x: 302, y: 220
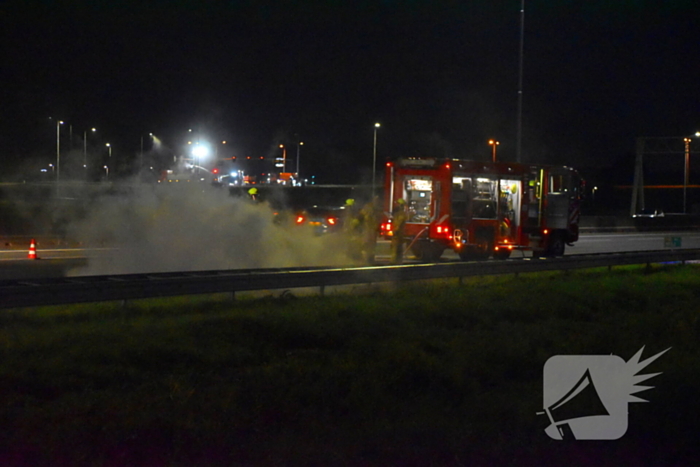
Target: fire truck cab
x: 480, y: 209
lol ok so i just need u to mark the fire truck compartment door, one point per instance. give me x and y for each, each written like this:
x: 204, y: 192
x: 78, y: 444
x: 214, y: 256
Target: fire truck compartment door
x: 420, y: 195
x: 557, y: 210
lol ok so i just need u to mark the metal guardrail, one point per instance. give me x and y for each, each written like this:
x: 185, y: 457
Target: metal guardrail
x: 39, y: 292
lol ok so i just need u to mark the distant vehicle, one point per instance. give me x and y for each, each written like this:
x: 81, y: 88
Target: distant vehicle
x: 230, y: 179
x: 648, y: 213
x: 324, y: 220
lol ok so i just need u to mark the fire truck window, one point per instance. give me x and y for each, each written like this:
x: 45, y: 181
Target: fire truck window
x: 557, y: 184
x: 460, y: 200
x: 419, y: 196
x: 509, y: 204
x: 485, y: 198
x: 534, y: 187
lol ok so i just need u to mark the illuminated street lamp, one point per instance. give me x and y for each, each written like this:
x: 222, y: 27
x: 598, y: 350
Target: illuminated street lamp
x: 198, y: 152
x: 106, y: 167
x: 493, y: 143
x: 374, y: 158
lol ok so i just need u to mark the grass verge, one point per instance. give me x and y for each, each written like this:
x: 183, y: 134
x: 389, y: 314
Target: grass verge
x: 431, y: 374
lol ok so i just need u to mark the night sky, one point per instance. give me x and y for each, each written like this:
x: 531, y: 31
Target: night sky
x: 440, y: 76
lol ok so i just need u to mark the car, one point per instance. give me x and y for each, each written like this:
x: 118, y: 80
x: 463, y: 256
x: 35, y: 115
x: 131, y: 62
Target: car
x: 323, y: 219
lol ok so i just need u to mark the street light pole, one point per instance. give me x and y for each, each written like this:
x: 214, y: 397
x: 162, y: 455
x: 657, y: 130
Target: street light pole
x: 299, y: 143
x: 493, y: 144
x: 58, y: 152
x: 374, y: 159
x: 141, y: 163
x: 85, y: 147
x: 109, y: 161
x: 284, y: 158
x: 685, y: 172
x: 519, y: 129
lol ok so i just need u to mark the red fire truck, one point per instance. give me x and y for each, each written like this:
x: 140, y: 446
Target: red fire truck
x: 480, y: 209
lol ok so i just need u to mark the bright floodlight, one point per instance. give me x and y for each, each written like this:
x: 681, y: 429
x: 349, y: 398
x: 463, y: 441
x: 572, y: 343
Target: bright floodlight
x: 200, y: 151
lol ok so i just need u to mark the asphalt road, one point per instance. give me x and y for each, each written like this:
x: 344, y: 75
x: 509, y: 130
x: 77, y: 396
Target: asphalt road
x: 618, y: 242
x: 56, y: 261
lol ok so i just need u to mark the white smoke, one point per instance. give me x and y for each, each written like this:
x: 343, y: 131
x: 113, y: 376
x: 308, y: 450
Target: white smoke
x: 192, y: 227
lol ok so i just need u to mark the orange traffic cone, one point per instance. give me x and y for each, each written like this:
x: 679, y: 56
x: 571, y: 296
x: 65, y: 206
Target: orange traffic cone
x: 32, y: 250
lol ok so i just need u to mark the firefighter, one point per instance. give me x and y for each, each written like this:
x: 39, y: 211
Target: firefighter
x: 398, y: 227
x: 253, y: 194
x: 352, y: 229
x: 369, y: 218
x: 350, y: 220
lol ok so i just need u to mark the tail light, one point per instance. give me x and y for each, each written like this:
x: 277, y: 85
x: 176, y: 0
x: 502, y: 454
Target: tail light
x: 300, y: 219
x: 443, y: 231
x: 332, y: 220
x: 386, y: 228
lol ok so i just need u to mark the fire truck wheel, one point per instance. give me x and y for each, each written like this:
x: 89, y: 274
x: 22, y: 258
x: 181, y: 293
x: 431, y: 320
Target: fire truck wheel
x: 466, y: 255
x: 484, y: 248
x: 501, y: 254
x: 480, y: 252
x: 427, y: 251
x: 556, y: 245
